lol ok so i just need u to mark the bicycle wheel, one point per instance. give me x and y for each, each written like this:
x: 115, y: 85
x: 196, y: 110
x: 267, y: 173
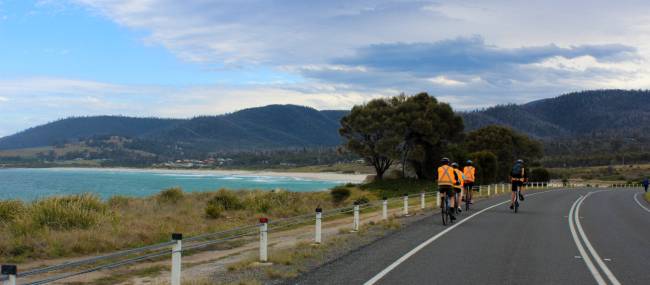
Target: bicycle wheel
x: 443, y: 211
x: 517, y: 201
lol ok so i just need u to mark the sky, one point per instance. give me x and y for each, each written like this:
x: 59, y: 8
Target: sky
x: 168, y: 58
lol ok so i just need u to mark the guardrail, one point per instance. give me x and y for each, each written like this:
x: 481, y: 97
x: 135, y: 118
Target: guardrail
x: 177, y: 245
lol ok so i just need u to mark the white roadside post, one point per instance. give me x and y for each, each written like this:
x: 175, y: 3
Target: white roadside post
x: 489, y: 191
x: 422, y: 202
x: 406, y: 204
x: 319, y: 217
x: 437, y: 203
x: 355, y: 221
x: 384, y: 208
x: 264, y: 240
x: 177, y: 251
x: 11, y: 271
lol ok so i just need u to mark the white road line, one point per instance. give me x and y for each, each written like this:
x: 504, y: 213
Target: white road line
x: 581, y: 249
x: 599, y: 260
x: 399, y: 261
x: 638, y: 202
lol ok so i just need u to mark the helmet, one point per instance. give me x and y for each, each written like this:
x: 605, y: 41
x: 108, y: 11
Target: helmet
x: 454, y: 165
x: 469, y: 162
x: 444, y: 160
x: 520, y: 161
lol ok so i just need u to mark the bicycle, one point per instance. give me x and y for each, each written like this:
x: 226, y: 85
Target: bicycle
x: 467, y: 199
x: 516, y: 207
x: 445, y: 210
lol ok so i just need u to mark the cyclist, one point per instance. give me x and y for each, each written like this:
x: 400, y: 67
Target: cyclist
x: 458, y: 187
x: 518, y: 178
x: 470, y: 173
x: 446, y: 179
x: 645, y: 183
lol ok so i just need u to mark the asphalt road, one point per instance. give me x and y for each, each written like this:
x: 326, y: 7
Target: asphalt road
x: 554, y: 239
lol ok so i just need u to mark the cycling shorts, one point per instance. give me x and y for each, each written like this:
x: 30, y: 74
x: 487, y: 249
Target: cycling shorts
x: 517, y: 185
x: 469, y: 185
x: 458, y: 190
x: 447, y: 189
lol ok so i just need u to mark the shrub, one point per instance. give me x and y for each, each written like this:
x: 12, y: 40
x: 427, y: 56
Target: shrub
x: 69, y: 212
x: 171, y: 195
x: 10, y: 209
x: 339, y: 194
x: 213, y: 211
x: 362, y: 200
x: 226, y: 200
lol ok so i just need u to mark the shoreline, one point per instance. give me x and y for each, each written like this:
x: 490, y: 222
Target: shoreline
x: 321, y: 176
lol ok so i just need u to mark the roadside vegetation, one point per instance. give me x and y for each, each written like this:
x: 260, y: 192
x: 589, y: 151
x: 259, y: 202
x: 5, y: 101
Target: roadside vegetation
x: 631, y: 174
x: 84, y: 224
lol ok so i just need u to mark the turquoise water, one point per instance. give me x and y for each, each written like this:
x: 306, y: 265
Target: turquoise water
x: 30, y: 184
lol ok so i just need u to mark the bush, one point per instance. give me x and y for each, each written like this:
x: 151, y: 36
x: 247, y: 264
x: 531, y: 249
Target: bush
x: 362, y: 200
x: 213, y: 211
x: 339, y: 194
x: 10, y: 209
x: 226, y: 200
x: 69, y: 212
x: 171, y: 195
x: 539, y: 175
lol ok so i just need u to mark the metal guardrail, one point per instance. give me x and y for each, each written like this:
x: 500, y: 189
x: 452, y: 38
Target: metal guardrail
x: 151, y: 252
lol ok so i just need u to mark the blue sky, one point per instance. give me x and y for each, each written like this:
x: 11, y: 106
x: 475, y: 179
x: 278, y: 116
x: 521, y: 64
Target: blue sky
x: 61, y: 58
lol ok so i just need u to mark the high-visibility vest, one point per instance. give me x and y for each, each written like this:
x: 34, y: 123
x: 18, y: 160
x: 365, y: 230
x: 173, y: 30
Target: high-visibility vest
x: 446, y: 175
x: 469, y: 172
x: 460, y: 179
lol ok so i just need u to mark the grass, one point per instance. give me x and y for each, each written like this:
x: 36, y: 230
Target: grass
x: 616, y: 173
x: 647, y: 196
x: 81, y: 225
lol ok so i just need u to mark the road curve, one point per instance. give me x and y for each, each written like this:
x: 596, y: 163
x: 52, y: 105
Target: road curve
x: 534, y: 246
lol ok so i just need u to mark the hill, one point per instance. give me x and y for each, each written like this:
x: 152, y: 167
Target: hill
x: 582, y: 128
x: 273, y: 126
x: 616, y: 112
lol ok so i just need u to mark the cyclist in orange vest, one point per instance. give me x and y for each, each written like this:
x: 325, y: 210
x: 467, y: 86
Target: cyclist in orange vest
x: 470, y: 175
x: 458, y: 187
x: 447, y: 177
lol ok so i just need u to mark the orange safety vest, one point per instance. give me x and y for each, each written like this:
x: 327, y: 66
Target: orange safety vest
x: 470, y: 173
x: 460, y: 179
x: 446, y: 175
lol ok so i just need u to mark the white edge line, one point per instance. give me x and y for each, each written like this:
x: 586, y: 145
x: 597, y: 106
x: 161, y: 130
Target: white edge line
x: 581, y: 249
x: 637, y: 201
x: 599, y: 260
x: 406, y: 256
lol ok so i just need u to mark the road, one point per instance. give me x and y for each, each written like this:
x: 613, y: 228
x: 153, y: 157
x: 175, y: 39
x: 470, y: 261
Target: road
x: 586, y: 236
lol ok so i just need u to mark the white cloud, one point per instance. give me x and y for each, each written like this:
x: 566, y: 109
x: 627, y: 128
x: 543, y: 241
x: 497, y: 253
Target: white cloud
x: 3, y: 99
x: 444, y: 81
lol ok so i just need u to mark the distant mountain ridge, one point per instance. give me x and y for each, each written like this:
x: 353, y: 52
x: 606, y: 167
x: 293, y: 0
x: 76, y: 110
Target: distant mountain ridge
x: 269, y: 126
x: 601, y: 113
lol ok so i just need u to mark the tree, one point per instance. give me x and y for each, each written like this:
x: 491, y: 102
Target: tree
x: 506, y: 144
x: 539, y: 175
x: 486, y: 167
x: 427, y: 128
x: 370, y: 131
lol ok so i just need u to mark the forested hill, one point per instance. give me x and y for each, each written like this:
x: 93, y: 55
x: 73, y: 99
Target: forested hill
x: 270, y: 126
x: 594, y: 113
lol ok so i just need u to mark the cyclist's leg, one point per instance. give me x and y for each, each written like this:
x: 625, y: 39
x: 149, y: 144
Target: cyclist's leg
x: 513, y: 192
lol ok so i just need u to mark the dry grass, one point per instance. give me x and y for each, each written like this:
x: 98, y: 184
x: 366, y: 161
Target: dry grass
x: 647, y: 196
x: 84, y: 225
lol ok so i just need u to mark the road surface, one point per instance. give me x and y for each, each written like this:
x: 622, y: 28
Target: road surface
x: 586, y: 236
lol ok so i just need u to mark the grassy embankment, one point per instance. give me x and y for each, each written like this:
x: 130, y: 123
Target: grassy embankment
x: 647, y: 196
x: 614, y: 174
x: 85, y: 225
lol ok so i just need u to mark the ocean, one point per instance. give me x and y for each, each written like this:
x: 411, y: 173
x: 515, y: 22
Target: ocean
x: 29, y: 184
